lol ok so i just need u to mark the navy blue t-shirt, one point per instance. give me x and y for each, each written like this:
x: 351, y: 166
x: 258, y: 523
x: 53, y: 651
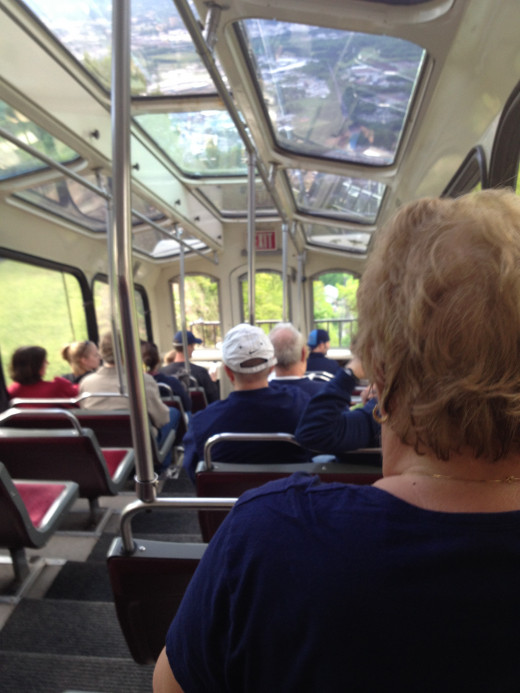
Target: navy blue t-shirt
x: 332, y: 587
x: 265, y: 410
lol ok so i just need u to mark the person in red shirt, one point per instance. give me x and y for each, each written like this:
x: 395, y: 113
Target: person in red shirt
x: 27, y: 370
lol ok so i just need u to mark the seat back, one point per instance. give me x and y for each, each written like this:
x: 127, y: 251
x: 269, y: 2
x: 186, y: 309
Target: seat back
x: 199, y: 400
x: 30, y: 511
x: 62, y: 454
x: 112, y: 428
x: 231, y: 480
x: 149, y: 580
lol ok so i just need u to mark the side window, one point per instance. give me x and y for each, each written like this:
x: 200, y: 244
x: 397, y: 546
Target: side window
x: 268, y: 299
x: 335, y: 307
x: 202, y: 305
x: 39, y: 306
x: 100, y: 289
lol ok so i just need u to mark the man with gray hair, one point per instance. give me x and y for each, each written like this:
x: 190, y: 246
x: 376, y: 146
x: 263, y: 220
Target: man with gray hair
x: 252, y: 407
x: 290, y: 351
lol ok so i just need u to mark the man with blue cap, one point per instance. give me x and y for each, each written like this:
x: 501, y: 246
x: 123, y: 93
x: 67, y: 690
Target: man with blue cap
x: 178, y: 366
x: 318, y: 343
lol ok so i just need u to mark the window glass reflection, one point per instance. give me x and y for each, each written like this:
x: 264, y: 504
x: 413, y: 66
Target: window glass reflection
x: 356, y: 199
x: 15, y: 161
x: 336, y: 94
x: 200, y: 143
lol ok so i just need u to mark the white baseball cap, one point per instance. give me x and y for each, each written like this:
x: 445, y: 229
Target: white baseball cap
x: 244, y: 343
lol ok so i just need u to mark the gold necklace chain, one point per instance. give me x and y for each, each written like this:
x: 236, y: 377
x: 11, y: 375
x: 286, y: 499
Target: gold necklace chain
x: 506, y: 480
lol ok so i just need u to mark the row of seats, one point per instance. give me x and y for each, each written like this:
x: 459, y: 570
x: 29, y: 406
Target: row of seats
x: 53, y: 447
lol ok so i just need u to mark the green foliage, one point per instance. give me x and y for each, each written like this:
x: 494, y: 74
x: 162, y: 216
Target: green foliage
x: 268, y: 298
x: 39, y: 307
x: 334, y: 310
x: 201, y: 300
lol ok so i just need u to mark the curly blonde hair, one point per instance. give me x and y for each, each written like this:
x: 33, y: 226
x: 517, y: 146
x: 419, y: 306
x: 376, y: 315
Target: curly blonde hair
x: 439, y: 316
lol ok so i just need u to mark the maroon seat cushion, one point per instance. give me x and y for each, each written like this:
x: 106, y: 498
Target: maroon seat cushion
x: 38, y: 498
x: 113, y: 457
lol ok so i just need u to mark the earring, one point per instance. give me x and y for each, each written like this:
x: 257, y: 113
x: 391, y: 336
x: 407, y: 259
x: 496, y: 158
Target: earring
x: 378, y: 417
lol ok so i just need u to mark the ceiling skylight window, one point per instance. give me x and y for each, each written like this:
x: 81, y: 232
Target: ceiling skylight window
x: 335, y: 237
x: 231, y: 199
x: 336, y: 94
x: 163, y: 57
x: 200, y: 143
x: 354, y: 199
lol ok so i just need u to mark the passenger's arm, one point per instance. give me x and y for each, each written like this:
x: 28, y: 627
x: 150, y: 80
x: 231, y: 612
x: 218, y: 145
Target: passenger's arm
x: 328, y: 426
x: 191, y: 453
x: 163, y: 678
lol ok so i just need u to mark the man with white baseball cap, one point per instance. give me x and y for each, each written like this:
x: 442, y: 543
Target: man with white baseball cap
x: 252, y: 407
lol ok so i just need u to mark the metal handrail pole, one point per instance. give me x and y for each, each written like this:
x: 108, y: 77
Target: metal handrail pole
x: 251, y: 211
x: 285, y: 274
x: 122, y: 248
x: 182, y: 302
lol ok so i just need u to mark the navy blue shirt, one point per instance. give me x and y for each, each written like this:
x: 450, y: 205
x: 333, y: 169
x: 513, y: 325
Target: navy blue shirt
x: 319, y: 362
x: 328, y: 426
x: 176, y: 387
x: 266, y: 410
x: 311, y: 387
x: 334, y: 587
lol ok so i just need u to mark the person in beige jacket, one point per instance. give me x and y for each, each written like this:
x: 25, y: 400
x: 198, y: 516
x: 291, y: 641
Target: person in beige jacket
x: 106, y: 380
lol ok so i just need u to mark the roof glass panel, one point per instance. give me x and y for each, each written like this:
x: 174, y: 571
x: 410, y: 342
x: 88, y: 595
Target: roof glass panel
x: 153, y: 243
x: 335, y: 94
x: 163, y: 57
x: 335, y: 237
x: 15, y: 161
x: 71, y: 200
x: 356, y: 199
x: 200, y: 143
x: 230, y: 199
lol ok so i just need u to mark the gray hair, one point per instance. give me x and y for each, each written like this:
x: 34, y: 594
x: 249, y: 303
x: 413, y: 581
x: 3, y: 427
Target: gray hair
x: 288, y: 344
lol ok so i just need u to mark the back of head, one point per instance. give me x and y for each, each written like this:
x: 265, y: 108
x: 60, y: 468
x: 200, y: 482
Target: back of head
x: 74, y: 352
x: 247, y: 351
x: 439, y: 323
x: 178, y: 339
x: 26, y: 364
x: 106, y: 349
x: 150, y: 354
x: 288, y: 344
x: 317, y: 337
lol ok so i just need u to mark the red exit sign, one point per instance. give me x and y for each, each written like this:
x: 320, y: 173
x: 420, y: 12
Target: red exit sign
x: 265, y: 240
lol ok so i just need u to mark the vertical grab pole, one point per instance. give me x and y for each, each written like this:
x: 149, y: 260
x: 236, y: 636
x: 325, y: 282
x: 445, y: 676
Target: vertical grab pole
x: 285, y: 276
x: 251, y: 214
x: 299, y: 293
x: 122, y: 248
x: 182, y: 299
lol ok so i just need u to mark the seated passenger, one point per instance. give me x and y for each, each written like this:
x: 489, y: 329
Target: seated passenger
x: 411, y: 584
x: 151, y: 360
x: 291, y: 360
x: 83, y: 358
x: 106, y: 379
x: 253, y: 406
x: 319, y: 343
x: 178, y: 365
x: 329, y: 426
x: 27, y: 369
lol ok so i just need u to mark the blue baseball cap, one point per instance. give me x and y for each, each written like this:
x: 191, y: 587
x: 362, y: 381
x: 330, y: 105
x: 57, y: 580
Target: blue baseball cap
x: 317, y: 337
x: 190, y: 338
